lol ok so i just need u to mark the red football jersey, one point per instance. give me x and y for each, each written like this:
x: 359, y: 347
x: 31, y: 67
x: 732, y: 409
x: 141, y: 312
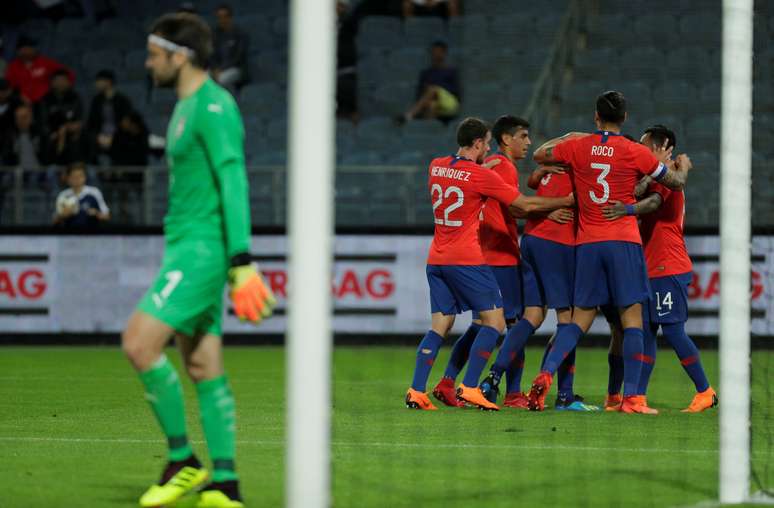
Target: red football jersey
x: 605, y: 167
x: 458, y: 188
x: 662, y: 235
x: 498, y: 234
x: 553, y: 186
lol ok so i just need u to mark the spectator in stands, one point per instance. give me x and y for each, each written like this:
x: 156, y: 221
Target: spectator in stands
x: 130, y: 144
x: 229, y: 58
x: 9, y: 101
x: 441, y: 8
x: 26, y: 144
x: 80, y: 205
x: 438, y: 89
x: 107, y: 109
x: 30, y: 73
x: 346, y: 63
x: 61, y: 111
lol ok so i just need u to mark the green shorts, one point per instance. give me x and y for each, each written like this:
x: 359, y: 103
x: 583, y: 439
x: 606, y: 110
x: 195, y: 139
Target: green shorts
x: 447, y: 104
x: 188, y: 291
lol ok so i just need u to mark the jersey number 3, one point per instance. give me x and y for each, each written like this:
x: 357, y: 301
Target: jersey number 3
x: 601, y: 181
x: 446, y: 221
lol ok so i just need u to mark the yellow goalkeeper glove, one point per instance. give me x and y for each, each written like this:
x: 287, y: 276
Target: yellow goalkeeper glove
x: 253, y: 300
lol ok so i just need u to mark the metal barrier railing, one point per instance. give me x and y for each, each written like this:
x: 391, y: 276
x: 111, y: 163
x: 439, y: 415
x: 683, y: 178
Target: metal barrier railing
x: 138, y: 195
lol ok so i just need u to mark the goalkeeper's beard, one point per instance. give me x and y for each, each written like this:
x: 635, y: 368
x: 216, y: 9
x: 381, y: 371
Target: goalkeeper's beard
x: 169, y: 81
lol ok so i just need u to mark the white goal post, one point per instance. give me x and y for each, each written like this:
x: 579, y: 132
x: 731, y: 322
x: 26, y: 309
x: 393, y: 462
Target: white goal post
x: 735, y: 170
x: 310, y: 218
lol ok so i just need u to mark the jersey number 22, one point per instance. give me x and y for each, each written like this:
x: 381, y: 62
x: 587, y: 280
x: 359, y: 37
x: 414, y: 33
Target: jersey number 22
x: 446, y: 221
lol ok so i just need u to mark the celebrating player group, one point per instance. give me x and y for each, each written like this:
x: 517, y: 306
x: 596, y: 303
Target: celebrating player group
x: 604, y: 232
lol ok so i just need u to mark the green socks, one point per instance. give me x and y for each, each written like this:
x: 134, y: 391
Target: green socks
x: 165, y: 394
x: 216, y: 405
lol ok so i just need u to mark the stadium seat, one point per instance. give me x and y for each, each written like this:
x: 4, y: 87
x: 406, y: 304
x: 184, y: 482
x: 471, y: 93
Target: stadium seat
x: 578, y: 98
x: 709, y: 96
x: 384, y: 32
x: 421, y: 31
x: 95, y: 61
x: 692, y: 63
x: 703, y: 133
x: 269, y: 66
x: 422, y: 135
x: 134, y: 65
x: 701, y: 28
x: 587, y: 63
x: 506, y: 29
x: 611, y: 30
x: 388, y: 99
x: 264, y: 99
x: 163, y: 100
x: 377, y: 134
x: 643, y: 63
x: 404, y: 62
x: 374, y: 69
x: 675, y: 98
x: 658, y: 27
x: 763, y: 96
x: 518, y: 97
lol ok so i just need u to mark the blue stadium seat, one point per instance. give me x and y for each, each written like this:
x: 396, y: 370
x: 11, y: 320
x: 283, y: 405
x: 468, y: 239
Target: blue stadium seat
x: 421, y: 31
x: 615, y: 30
x: 703, y: 133
x: 388, y: 99
x: 676, y: 98
x: 701, y: 28
x: 408, y: 62
x: 377, y: 134
x: 588, y: 63
x: 95, y: 61
x: 163, y: 100
x: 709, y: 97
x: 519, y: 95
x: 423, y: 135
x: 656, y: 27
x: 269, y: 66
x: 134, y: 64
x: 383, y: 32
x: 578, y: 99
x: 692, y: 63
x: 374, y: 68
x: 264, y: 99
x: 643, y: 63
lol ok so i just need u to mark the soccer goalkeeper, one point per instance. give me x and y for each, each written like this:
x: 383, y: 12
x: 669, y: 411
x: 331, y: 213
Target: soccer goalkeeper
x: 207, y: 236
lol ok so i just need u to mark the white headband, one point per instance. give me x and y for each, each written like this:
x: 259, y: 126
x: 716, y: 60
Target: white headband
x: 169, y: 45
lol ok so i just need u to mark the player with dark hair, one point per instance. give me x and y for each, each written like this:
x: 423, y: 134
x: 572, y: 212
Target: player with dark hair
x: 662, y: 212
x: 500, y: 245
x: 610, y: 267
x: 548, y: 271
x: 458, y: 277
x: 207, y: 243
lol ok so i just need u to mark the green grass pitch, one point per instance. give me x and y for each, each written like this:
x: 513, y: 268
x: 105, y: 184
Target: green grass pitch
x: 75, y: 432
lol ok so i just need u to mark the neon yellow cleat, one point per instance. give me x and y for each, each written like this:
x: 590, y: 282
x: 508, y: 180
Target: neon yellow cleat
x: 184, y: 481
x: 217, y: 499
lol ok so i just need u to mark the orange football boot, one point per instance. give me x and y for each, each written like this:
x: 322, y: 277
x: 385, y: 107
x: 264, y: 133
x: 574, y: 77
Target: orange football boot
x: 637, y: 404
x: 418, y: 400
x: 701, y: 401
x: 537, y: 394
x: 444, y: 391
x: 517, y: 400
x: 613, y: 402
x: 473, y: 395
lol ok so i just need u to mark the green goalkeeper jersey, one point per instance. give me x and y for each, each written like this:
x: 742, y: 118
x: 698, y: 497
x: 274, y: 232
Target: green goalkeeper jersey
x: 208, y: 197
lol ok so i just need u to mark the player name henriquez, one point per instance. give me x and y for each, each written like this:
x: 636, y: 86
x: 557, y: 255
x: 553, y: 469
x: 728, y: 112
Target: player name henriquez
x: 456, y: 174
